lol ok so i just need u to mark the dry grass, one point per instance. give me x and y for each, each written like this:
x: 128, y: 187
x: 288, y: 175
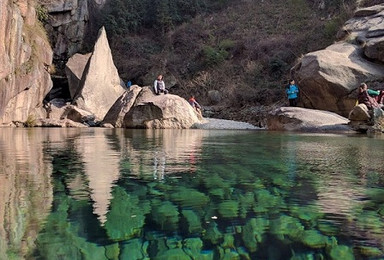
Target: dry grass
x: 266, y: 39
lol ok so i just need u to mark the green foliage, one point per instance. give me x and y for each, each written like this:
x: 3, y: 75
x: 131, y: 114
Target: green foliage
x: 41, y: 13
x: 30, y: 122
x: 213, y: 56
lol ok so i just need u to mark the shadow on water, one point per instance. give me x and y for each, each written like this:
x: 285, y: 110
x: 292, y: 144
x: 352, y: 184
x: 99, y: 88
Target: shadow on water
x: 190, y: 194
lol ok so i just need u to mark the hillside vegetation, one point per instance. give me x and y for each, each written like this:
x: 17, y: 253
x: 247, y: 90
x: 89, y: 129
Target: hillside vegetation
x: 242, y: 48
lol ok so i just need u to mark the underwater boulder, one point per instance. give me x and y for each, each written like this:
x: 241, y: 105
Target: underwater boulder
x: 341, y: 252
x: 191, y: 222
x: 229, y: 209
x: 253, y: 232
x: 126, y: 215
x: 313, y: 239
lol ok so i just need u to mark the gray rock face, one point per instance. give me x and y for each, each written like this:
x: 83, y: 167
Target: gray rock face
x: 100, y: 83
x: 159, y: 112
x: 67, y: 25
x: 368, y: 27
x: 327, y: 78
x: 25, y: 58
x: 302, y: 119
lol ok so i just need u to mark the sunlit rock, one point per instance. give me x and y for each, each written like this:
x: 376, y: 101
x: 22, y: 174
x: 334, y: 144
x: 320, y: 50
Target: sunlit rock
x: 160, y: 111
x: 25, y: 58
x: 328, y: 77
x: 303, y: 119
x: 100, y: 84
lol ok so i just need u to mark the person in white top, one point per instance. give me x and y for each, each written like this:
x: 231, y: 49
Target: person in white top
x: 159, y: 85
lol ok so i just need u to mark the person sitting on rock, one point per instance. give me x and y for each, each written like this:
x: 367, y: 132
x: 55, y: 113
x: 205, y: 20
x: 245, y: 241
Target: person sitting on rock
x: 378, y: 95
x: 192, y: 101
x: 159, y: 85
x: 364, y: 97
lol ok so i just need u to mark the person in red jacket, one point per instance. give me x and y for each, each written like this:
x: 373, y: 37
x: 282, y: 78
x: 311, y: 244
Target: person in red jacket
x: 192, y: 101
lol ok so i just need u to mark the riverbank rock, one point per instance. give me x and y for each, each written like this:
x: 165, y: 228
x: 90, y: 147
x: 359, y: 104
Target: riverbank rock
x: 328, y: 78
x: 123, y: 104
x: 303, y: 119
x: 364, y: 120
x: 100, y: 85
x: 160, y: 111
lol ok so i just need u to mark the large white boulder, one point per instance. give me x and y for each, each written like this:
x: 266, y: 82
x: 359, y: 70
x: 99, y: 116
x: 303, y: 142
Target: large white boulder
x: 160, y: 111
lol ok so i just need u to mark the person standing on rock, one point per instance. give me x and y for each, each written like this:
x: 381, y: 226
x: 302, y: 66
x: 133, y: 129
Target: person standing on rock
x: 292, y: 93
x: 159, y: 85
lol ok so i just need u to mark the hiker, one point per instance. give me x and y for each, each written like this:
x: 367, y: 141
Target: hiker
x: 192, y: 101
x: 159, y: 85
x: 292, y: 90
x: 129, y: 84
x: 364, y: 97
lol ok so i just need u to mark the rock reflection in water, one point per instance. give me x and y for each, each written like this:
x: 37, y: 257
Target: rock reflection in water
x: 162, y: 194
x: 25, y: 190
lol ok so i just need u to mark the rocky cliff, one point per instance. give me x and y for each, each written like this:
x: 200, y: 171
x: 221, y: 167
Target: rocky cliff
x: 69, y: 26
x: 25, y: 61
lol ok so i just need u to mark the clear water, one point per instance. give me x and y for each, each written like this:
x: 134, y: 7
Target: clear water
x: 190, y: 194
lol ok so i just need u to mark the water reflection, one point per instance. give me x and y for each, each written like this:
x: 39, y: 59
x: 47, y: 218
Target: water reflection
x: 182, y: 194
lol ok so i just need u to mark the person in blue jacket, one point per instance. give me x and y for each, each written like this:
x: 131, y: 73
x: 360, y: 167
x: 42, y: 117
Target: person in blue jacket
x: 292, y: 90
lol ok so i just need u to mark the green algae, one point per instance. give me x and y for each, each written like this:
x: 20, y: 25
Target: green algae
x: 166, y: 215
x: 189, y: 198
x: 313, y: 239
x: 190, y: 222
x: 253, y: 231
x: 126, y: 216
x: 341, y: 252
x: 286, y: 226
x: 228, y: 209
x: 370, y: 251
x: 132, y: 250
x: 213, y: 234
x: 172, y: 254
